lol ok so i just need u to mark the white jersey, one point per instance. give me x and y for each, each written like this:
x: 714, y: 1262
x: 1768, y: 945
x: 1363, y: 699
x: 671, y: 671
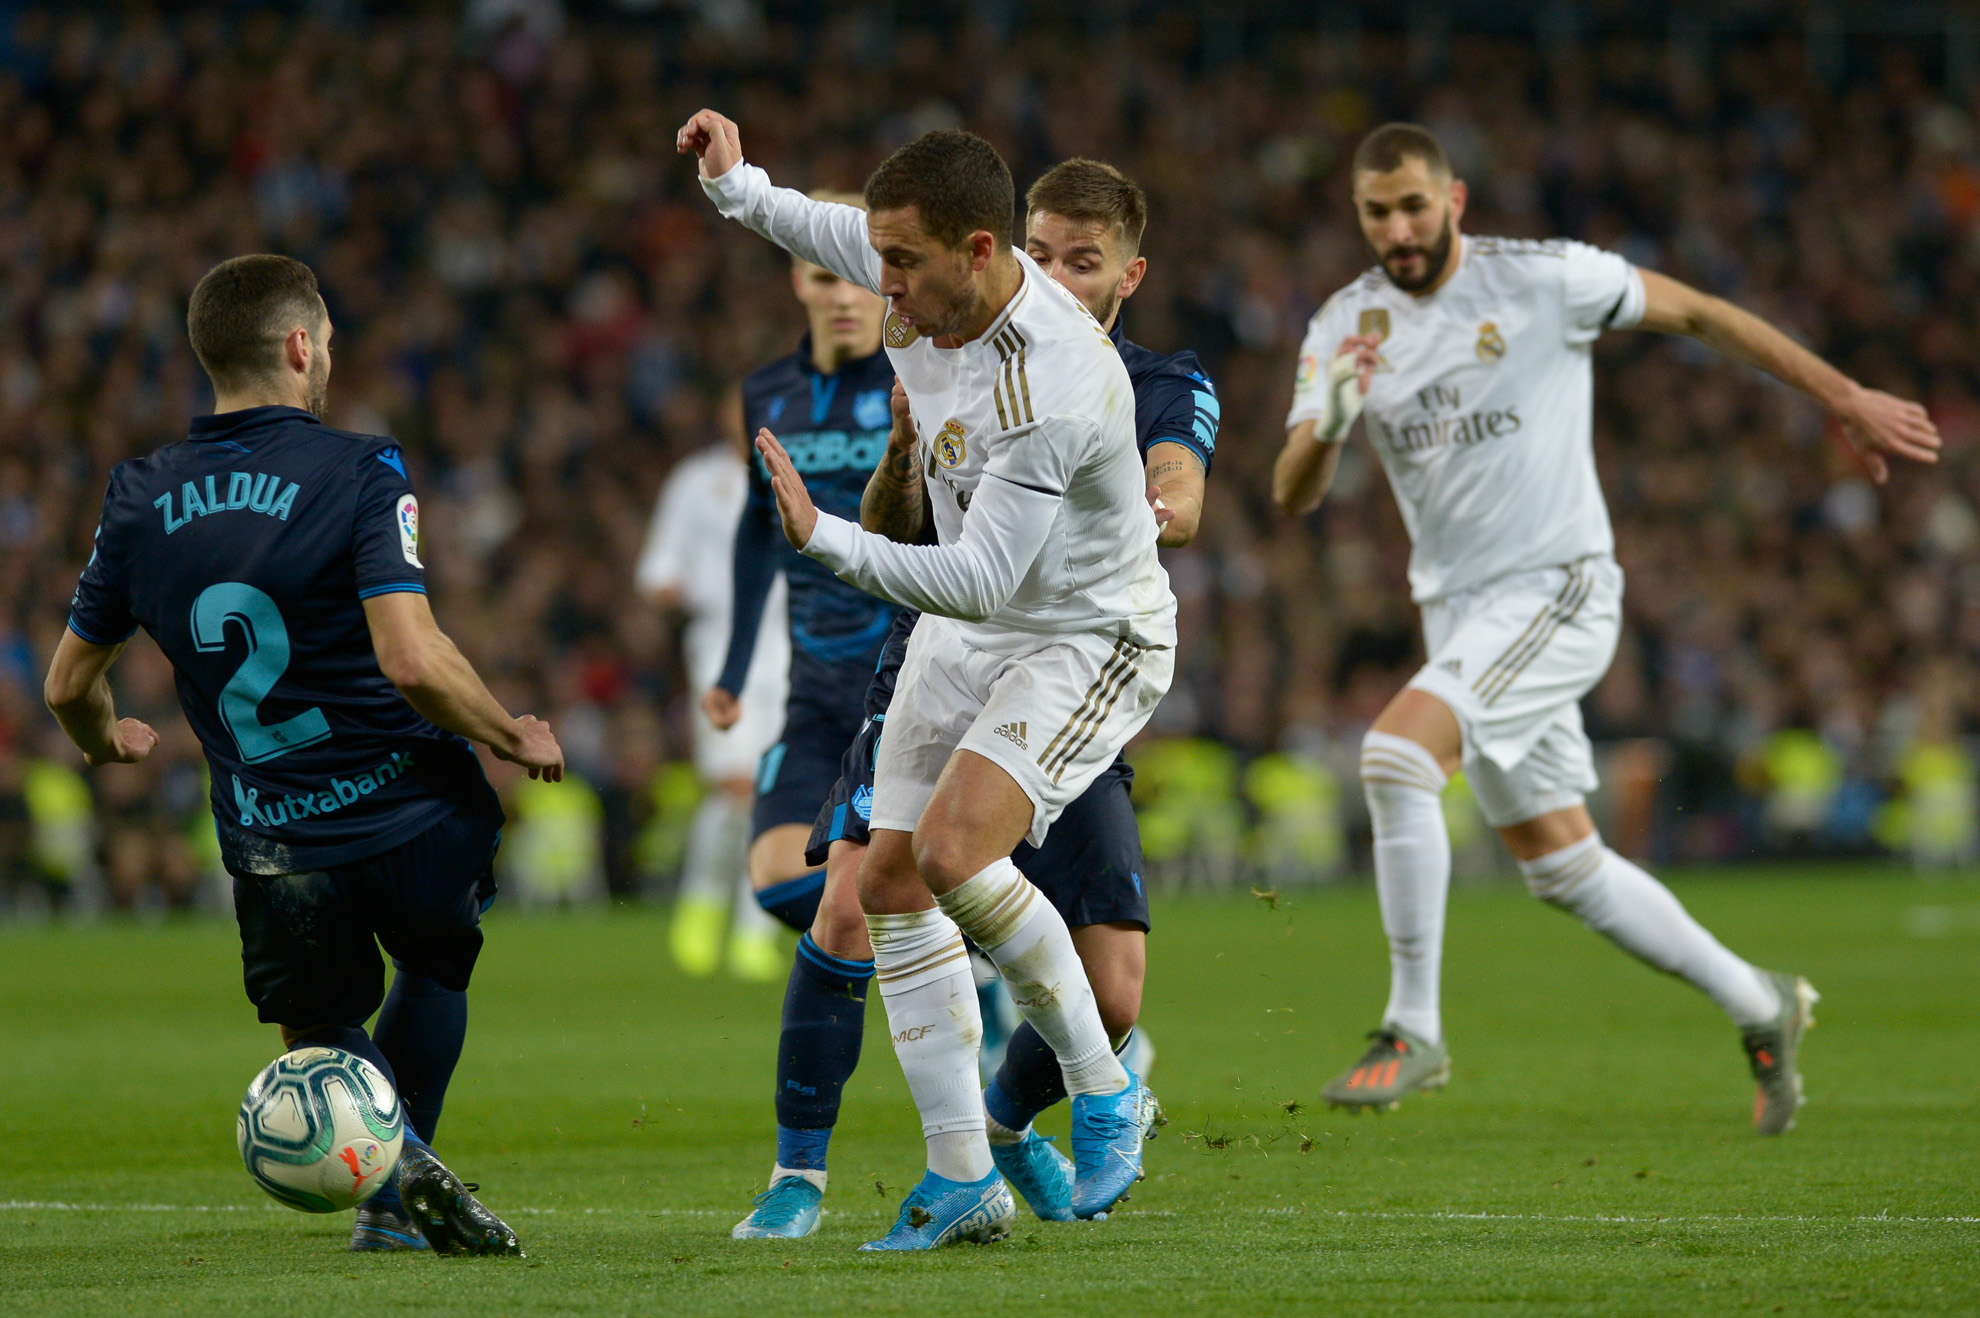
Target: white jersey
x: 690, y: 545
x: 1028, y: 451
x: 1482, y: 407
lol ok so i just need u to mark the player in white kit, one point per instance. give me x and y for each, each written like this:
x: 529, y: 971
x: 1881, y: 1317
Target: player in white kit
x: 1049, y: 638
x: 683, y: 566
x: 1467, y: 361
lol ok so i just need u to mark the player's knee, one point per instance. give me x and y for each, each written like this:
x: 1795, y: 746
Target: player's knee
x: 1394, y: 767
x: 945, y: 858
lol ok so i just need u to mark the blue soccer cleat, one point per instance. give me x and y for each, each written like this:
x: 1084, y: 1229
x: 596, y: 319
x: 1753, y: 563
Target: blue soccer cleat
x: 1107, y: 1130
x: 788, y: 1210
x: 385, y: 1230
x: 1040, y: 1173
x: 941, y: 1212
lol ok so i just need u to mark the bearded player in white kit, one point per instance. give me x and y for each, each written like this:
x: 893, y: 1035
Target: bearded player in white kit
x: 1047, y: 639
x: 1467, y: 361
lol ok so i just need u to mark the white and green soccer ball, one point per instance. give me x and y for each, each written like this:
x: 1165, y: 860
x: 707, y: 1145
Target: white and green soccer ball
x: 321, y: 1129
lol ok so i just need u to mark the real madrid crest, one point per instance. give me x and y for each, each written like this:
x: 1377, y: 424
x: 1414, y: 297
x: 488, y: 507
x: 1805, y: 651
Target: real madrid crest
x: 897, y: 334
x: 950, y: 449
x: 1491, y: 344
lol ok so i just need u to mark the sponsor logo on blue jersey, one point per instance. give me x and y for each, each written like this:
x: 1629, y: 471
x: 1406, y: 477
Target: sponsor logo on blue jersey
x: 871, y: 410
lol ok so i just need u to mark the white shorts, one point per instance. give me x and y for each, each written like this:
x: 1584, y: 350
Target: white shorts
x: 1512, y: 659
x: 725, y: 756
x: 1053, y: 714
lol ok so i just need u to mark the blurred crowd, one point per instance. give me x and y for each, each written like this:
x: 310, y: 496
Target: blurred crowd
x: 532, y: 295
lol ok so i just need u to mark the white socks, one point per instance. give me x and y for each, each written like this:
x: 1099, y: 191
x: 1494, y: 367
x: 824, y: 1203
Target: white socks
x: 923, y: 972
x: 717, y: 850
x: 1026, y: 936
x: 1639, y: 914
x: 1404, y: 787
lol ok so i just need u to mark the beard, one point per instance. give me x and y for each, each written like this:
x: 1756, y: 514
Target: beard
x: 319, y: 388
x: 1436, y: 257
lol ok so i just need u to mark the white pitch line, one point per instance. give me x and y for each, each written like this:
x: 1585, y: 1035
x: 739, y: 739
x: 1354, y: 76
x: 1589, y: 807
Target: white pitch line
x: 1598, y: 1219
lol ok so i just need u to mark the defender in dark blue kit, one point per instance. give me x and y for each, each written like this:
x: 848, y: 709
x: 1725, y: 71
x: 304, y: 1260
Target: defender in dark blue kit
x: 1083, y: 226
x: 275, y: 561
x: 831, y: 398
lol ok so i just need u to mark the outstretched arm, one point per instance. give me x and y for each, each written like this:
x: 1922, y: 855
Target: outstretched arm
x: 971, y: 579
x: 78, y: 694
x: 821, y: 232
x: 1875, y: 424
x: 437, y: 680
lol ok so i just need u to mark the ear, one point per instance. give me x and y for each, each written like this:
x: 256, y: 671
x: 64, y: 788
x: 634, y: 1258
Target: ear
x: 982, y: 247
x: 1459, y: 194
x: 298, y: 350
x: 1131, y: 277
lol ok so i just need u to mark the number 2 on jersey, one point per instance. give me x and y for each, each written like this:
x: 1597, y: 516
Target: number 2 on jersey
x: 267, y: 659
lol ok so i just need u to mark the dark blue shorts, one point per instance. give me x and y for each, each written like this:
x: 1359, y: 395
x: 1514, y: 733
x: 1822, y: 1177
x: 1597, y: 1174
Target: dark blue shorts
x: 820, y: 721
x: 309, y: 942
x: 1089, y: 867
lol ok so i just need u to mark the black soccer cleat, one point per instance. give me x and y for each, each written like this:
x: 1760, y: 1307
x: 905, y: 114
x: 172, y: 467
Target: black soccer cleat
x: 386, y: 1230
x: 446, y: 1211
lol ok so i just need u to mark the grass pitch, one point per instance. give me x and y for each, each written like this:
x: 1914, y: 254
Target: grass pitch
x: 1593, y: 1153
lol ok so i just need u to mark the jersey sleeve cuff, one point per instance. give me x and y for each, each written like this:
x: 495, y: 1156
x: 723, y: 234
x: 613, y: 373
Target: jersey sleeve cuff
x: 1189, y: 442
x: 731, y: 192
x: 833, y: 541
x: 392, y: 588
x: 84, y: 633
x: 1630, y: 304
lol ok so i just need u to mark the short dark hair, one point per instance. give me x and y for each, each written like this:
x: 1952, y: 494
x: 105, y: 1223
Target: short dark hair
x: 1387, y: 147
x: 241, y: 310
x: 1088, y: 190
x: 956, y: 182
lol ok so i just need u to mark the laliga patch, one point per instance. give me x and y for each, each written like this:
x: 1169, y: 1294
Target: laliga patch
x: 409, y: 530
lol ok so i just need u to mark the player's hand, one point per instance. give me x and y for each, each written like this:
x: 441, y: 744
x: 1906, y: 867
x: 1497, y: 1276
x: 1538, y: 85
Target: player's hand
x: 722, y: 708
x: 903, y: 432
x: 133, y: 741
x: 1163, y: 513
x: 536, y: 750
x: 714, y: 138
x: 793, y: 500
x: 1367, y: 355
x: 1876, y: 424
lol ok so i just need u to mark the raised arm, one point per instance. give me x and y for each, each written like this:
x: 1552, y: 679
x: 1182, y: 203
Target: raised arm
x: 1874, y: 423
x: 1325, y: 407
x: 821, y: 232
x: 1003, y: 531
x: 895, y: 503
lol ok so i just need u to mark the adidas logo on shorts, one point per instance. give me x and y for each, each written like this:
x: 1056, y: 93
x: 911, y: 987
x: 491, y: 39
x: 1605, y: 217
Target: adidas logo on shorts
x: 1455, y: 667
x: 1013, y: 733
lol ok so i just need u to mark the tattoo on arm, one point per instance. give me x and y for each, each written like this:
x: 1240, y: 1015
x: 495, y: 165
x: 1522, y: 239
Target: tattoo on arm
x: 1166, y: 470
x: 894, y: 499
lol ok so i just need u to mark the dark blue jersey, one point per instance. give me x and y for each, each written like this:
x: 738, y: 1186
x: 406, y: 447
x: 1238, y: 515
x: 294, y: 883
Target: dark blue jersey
x: 835, y: 429
x: 1174, y: 403
x: 246, y: 552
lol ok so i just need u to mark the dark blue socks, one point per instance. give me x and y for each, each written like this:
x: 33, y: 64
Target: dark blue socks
x: 421, y: 1027
x: 824, y: 1020
x: 795, y: 902
x: 354, y: 1040
x: 1029, y: 1081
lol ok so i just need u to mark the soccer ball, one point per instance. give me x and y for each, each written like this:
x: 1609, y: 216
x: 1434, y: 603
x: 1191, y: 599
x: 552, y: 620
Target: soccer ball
x: 321, y: 1129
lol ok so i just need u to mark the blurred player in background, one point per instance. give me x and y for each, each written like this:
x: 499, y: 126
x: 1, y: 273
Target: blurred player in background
x: 1467, y: 360
x: 1054, y: 621
x: 275, y: 561
x: 829, y: 402
x: 682, y: 566
x: 1084, y: 222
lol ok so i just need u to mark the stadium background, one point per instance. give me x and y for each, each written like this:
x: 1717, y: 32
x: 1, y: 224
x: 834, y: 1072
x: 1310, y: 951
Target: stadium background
x: 532, y: 295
